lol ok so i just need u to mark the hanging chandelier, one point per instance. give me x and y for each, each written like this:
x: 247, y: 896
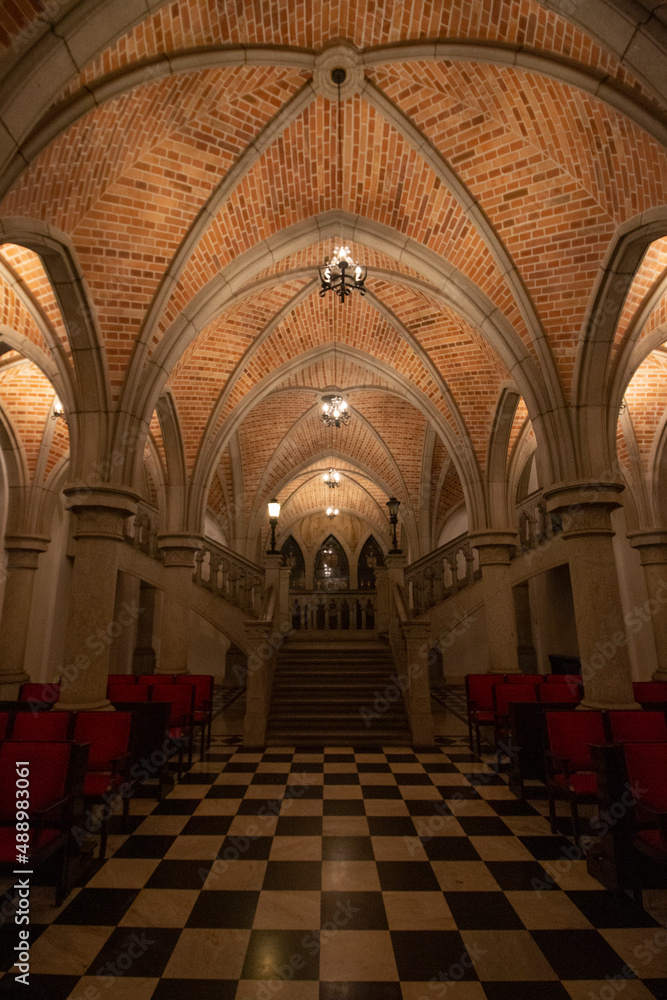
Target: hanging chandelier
x: 340, y: 274
x: 335, y: 278
x: 332, y: 478
x: 334, y: 411
x: 332, y: 512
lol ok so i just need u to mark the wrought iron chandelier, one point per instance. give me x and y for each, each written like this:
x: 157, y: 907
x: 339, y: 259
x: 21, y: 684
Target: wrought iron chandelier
x: 340, y: 274
x: 335, y: 278
x: 332, y: 478
x: 332, y: 512
x: 334, y: 411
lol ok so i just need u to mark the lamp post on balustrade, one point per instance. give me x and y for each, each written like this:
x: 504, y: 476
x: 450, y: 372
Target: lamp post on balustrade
x: 393, y: 504
x: 274, y: 514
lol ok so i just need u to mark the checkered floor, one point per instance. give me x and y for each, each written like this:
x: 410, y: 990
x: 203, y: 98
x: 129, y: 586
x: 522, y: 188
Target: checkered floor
x: 340, y: 875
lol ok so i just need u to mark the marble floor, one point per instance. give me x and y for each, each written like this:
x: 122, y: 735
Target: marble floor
x: 340, y: 874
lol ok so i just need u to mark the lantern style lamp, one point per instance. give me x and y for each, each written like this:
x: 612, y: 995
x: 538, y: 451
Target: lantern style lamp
x: 274, y: 514
x: 393, y: 504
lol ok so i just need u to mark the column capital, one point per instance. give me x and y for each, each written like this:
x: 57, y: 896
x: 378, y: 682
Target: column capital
x: 651, y: 545
x: 23, y: 551
x: 585, y: 507
x: 100, y: 510
x: 495, y: 548
x: 178, y: 549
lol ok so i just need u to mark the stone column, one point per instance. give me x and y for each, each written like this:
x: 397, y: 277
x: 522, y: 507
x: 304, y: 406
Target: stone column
x: 100, y: 515
x: 652, y: 548
x: 383, y: 599
x: 419, y: 690
x: 179, y: 561
x: 143, y: 658
x: 495, y: 550
x: 586, y: 510
x: 261, y: 665
x: 22, y: 558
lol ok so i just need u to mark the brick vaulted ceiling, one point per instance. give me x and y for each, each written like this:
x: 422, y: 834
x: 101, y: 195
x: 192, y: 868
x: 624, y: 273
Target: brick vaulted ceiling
x: 170, y: 185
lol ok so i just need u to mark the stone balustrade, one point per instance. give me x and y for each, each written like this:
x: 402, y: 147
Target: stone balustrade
x: 440, y: 574
x: 216, y: 568
x: 322, y: 611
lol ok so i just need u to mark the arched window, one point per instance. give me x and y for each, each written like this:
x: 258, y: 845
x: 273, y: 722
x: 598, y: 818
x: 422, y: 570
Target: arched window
x: 331, y: 567
x: 293, y: 557
x: 369, y: 557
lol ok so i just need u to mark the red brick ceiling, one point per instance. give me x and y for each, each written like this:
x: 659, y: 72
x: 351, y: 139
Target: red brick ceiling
x: 484, y: 199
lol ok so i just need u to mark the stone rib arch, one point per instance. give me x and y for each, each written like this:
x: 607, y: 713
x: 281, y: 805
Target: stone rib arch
x: 635, y: 347
x: 591, y: 389
x: 541, y: 391
x: 658, y: 471
x: 89, y: 420
x: 173, y: 515
x: 305, y: 417
x: 24, y: 137
x: 496, y: 465
x: 207, y: 459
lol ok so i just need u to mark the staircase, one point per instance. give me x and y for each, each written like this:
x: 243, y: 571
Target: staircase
x: 337, y: 693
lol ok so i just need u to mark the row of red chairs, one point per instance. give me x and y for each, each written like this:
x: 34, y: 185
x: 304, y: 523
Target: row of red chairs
x: 569, y: 737
x: 489, y: 696
x: 164, y: 687
x: 55, y: 774
x: 131, y: 688
x: 107, y: 736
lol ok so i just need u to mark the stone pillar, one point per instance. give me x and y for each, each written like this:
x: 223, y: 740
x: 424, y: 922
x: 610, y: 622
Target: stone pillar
x: 383, y: 599
x: 179, y: 561
x: 143, y: 658
x: 128, y: 589
x: 100, y: 515
x: 22, y: 558
x: 495, y: 550
x: 652, y: 548
x: 586, y: 510
x: 259, y: 680
x: 283, y: 620
x: 419, y: 690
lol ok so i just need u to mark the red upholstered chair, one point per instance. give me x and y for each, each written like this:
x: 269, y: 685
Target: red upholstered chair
x: 54, y: 768
x: 45, y: 692
x: 572, y: 679
x: 181, y: 697
x: 121, y: 679
x: 4, y: 724
x: 203, y: 707
x: 479, y: 697
x: 524, y: 678
x: 570, y: 769
x: 554, y: 693
x: 155, y: 679
x: 128, y: 692
x: 648, y: 691
x: 503, y: 696
x: 636, y: 726
x: 48, y: 726
x: 647, y: 770
x: 109, y: 736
